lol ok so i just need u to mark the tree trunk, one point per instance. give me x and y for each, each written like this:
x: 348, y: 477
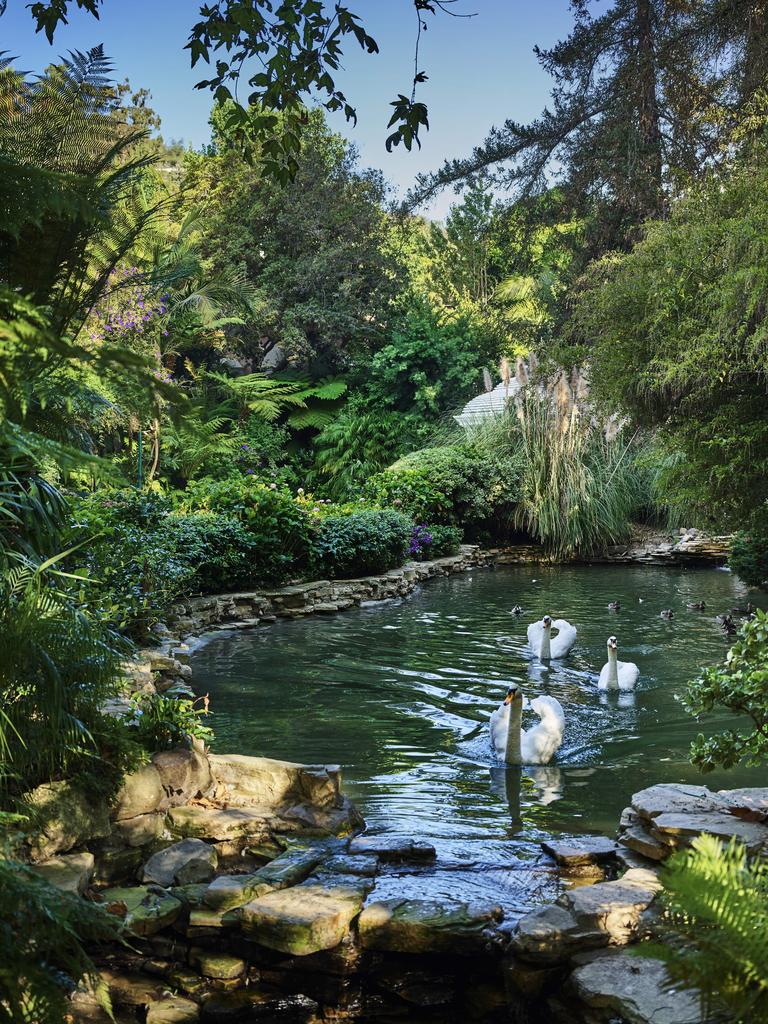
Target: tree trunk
x: 650, y: 194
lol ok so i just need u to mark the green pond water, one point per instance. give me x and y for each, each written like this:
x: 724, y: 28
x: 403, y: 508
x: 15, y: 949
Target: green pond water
x: 399, y: 694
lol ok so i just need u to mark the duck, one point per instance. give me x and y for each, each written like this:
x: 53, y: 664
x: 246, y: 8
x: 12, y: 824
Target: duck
x: 537, y: 745
x: 727, y: 624
x: 615, y: 674
x: 614, y: 606
x: 696, y: 606
x: 744, y: 612
x: 546, y: 646
x: 517, y: 610
x: 667, y: 614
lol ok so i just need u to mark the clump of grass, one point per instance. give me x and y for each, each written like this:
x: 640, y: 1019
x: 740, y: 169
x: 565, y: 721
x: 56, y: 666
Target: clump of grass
x: 578, y: 489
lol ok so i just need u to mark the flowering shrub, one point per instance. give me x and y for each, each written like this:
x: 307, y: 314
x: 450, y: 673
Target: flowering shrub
x: 128, y: 307
x: 434, y: 541
x: 360, y: 543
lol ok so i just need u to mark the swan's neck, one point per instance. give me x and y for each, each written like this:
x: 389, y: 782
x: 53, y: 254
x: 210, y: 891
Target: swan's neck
x: 513, y: 754
x: 545, y: 648
x: 613, y: 667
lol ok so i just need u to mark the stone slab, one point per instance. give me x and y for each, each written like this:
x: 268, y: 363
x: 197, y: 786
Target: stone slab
x: 680, y: 829
x: 217, y: 823
x: 393, y: 849
x: 186, y: 862
x: 633, y: 989
x: 641, y: 841
x: 71, y: 872
x: 428, y: 926
x: 146, y: 910
x: 672, y: 798
x: 302, y: 920
x: 581, y: 852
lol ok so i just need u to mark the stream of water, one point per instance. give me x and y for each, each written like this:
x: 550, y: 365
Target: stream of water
x: 400, y: 694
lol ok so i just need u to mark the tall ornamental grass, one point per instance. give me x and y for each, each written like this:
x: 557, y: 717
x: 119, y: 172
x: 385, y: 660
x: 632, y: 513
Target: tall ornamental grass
x: 578, y: 490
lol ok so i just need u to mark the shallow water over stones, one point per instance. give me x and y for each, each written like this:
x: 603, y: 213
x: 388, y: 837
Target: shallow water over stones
x: 400, y: 693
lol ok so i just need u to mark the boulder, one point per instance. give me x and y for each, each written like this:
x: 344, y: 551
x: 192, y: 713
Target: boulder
x: 428, y: 926
x: 186, y: 862
x: 586, y: 851
x: 229, y: 891
x: 117, y: 865
x: 63, y: 817
x: 184, y: 775
x: 241, y: 781
x: 550, y: 934
x: 141, y: 830
x: 218, y: 824
x: 129, y: 989
x: 71, y: 872
x: 140, y: 793
x: 613, y: 908
x: 173, y: 1010
x: 392, y: 849
x: 673, y: 798
x: 331, y: 820
x: 302, y: 920
x: 633, y: 989
x: 146, y: 910
x: 679, y: 829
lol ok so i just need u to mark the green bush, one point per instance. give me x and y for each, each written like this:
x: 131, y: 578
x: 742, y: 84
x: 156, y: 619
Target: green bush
x: 163, y: 722
x: 448, y: 485
x: 219, y: 552
x: 279, y: 526
x: 361, y: 543
x: 749, y: 554
x: 443, y: 540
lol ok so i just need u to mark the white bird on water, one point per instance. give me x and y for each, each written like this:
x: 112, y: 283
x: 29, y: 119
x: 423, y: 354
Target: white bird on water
x: 546, y: 646
x: 537, y: 745
x: 615, y: 674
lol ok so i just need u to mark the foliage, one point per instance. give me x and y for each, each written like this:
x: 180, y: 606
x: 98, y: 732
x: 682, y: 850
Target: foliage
x: 434, y: 541
x: 279, y: 527
x: 162, y: 722
x: 715, y: 904
x: 359, y: 442
x: 58, y: 665
x: 740, y: 687
x: 361, y: 543
x: 43, y: 935
x: 220, y: 553
x: 749, y: 552
x: 675, y: 335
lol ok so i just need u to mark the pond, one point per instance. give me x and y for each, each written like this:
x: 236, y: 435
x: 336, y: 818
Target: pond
x: 400, y: 694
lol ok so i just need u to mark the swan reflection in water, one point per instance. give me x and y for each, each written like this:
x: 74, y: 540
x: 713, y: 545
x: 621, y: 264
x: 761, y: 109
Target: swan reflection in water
x: 508, y: 783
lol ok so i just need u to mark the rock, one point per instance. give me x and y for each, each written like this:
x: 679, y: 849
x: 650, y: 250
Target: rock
x: 246, y: 1005
x: 241, y: 781
x: 141, y: 830
x: 186, y: 862
x: 613, y: 908
x: 671, y: 798
x: 551, y: 933
x: 64, y: 816
x: 216, y: 823
x: 428, y: 926
x: 290, y: 867
x: 304, y: 919
x: 173, y: 1010
x: 581, y: 852
x: 146, y: 909
x: 184, y: 775
x: 187, y: 981
x: 117, y: 865
x: 230, y: 891
x: 754, y: 797
x: 218, y: 965
x: 140, y: 793
x: 641, y: 841
x: 71, y: 872
x: 680, y: 829
x: 129, y: 989
x: 634, y: 990
x: 389, y: 848
x: 204, y: 921
x: 365, y: 865
x: 333, y: 821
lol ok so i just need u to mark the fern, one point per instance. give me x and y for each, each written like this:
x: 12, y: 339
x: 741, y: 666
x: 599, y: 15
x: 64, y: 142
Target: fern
x: 714, y: 927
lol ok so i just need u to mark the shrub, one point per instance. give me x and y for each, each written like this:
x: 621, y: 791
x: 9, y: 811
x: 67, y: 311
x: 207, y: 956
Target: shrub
x: 434, y: 541
x: 361, y: 543
x: 220, y: 553
x: 448, y: 485
x: 749, y: 554
x: 163, y: 722
x: 279, y: 526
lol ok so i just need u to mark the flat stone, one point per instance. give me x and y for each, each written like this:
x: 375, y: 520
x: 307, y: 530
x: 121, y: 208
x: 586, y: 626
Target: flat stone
x: 141, y: 830
x: 72, y: 872
x: 64, y: 817
x: 187, y: 981
x: 146, y: 910
x: 551, y: 933
x: 635, y: 990
x: 641, y: 841
x: 218, y: 965
x: 755, y: 797
x: 173, y: 1010
x: 140, y: 793
x: 679, y: 829
x: 302, y: 920
x: 130, y: 989
x: 586, y: 850
x: 204, y: 921
x: 672, y: 798
x: 218, y: 823
x: 389, y: 849
x: 184, y: 775
x: 290, y: 868
x: 365, y: 865
x: 614, y: 907
x: 427, y: 926
x: 230, y: 891
x: 184, y: 863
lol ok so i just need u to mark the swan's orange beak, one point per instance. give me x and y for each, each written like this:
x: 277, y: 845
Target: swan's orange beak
x: 512, y: 694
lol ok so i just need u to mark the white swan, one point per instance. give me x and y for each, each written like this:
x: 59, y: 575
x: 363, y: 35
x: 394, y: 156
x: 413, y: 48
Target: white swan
x: 545, y: 645
x: 537, y: 745
x: 617, y: 675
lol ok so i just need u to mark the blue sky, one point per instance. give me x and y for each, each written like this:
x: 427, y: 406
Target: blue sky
x: 481, y: 70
